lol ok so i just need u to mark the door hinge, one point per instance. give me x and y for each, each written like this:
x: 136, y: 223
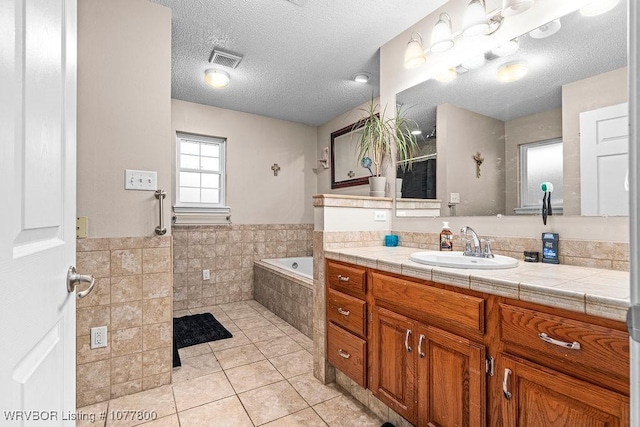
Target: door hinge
x: 633, y: 322
x: 489, y: 365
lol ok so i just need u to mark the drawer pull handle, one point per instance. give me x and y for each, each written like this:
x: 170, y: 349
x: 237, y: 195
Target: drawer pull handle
x: 570, y: 345
x: 420, y: 352
x: 406, y: 340
x: 343, y: 353
x: 343, y: 278
x: 343, y: 312
x: 505, y: 384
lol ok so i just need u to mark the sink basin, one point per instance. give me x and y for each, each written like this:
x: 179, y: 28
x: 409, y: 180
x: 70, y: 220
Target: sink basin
x: 457, y: 260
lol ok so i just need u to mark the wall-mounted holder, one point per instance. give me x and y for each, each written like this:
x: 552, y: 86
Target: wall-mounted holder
x: 275, y: 168
x: 324, y: 161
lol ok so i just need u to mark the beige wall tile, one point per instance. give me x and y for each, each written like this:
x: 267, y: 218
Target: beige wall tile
x: 126, y: 368
x: 84, y: 353
x: 126, y: 315
x: 154, y: 381
x: 93, y: 375
x: 157, y: 335
x: 90, y: 317
x: 126, y: 341
x: 156, y: 260
x: 126, y: 288
x: 156, y: 361
x: 126, y: 262
x: 156, y: 310
x: 89, y: 397
x: 100, y: 295
x: 96, y: 263
x: 125, y: 389
x: 126, y: 243
x: 85, y: 245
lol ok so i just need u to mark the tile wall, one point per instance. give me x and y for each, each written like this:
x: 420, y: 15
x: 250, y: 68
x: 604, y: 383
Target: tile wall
x: 228, y: 252
x: 133, y: 298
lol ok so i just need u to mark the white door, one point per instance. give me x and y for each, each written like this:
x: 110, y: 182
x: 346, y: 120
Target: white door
x: 37, y: 214
x: 604, y: 161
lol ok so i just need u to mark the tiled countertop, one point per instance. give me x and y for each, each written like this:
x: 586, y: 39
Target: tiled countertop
x: 603, y: 293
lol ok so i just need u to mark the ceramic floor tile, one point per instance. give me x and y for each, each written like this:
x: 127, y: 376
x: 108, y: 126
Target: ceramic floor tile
x: 345, y: 411
x: 91, y: 416
x: 233, y: 306
x: 252, y: 322
x: 194, y: 350
x: 288, y: 329
x: 271, y: 402
x: 221, y: 413
x: 253, y: 375
x: 195, y: 367
x: 170, y: 421
x: 312, y: 390
x: 293, y: 364
x: 158, y: 400
x: 264, y: 334
x: 241, y: 313
x: 305, y: 418
x: 238, y: 356
x: 237, y: 340
x: 202, y: 390
x: 278, y: 347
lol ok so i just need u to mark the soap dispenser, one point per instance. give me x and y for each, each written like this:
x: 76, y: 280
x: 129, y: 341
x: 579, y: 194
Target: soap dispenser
x: 446, y: 237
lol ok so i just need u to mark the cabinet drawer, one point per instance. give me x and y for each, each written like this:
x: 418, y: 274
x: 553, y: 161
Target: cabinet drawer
x: 600, y: 349
x: 350, y: 280
x: 347, y: 352
x: 439, y: 305
x: 346, y: 311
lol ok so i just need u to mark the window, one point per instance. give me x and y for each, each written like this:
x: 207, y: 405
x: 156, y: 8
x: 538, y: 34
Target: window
x: 540, y: 162
x: 200, y: 174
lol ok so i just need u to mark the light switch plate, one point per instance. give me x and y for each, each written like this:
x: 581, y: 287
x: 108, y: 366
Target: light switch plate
x: 454, y: 198
x: 140, y: 180
x: 379, y: 216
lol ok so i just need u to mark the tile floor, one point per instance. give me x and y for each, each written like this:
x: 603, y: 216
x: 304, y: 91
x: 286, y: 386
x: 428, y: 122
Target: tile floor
x: 260, y: 377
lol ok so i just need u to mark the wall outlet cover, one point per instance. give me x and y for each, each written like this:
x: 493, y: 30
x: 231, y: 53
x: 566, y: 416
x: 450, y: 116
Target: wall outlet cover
x: 379, y: 216
x: 206, y: 275
x: 98, y: 337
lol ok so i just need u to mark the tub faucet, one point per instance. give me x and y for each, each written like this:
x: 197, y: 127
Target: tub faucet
x: 468, y: 251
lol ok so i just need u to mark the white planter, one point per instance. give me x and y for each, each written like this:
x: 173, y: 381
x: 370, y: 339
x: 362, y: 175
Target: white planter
x: 377, y: 186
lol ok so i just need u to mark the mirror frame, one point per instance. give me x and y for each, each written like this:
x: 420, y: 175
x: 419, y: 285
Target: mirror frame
x: 347, y: 182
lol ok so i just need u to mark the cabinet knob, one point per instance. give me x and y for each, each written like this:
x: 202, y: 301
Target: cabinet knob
x: 343, y: 278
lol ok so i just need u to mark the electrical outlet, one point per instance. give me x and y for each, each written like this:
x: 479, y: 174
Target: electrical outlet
x: 99, y: 337
x: 206, y: 275
x: 454, y: 198
x: 379, y: 216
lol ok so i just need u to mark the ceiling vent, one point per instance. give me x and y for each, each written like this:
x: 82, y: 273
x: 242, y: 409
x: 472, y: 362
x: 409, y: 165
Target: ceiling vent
x: 225, y: 59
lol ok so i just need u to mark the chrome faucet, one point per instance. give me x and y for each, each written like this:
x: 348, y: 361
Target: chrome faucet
x: 477, y: 250
x: 477, y: 245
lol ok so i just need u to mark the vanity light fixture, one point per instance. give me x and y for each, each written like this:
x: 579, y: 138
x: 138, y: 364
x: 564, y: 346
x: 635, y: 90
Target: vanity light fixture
x: 546, y: 30
x: 216, y: 78
x: 447, y: 75
x: 515, y: 7
x: 512, y: 71
x: 442, y: 35
x: 474, y: 20
x: 414, y: 54
x: 362, y: 77
x: 598, y: 7
x: 506, y: 49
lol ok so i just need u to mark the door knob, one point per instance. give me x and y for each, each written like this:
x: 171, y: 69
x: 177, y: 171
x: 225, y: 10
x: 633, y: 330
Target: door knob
x: 73, y: 278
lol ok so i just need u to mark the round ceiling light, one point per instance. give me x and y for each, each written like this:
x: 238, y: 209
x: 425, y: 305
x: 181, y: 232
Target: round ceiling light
x: 512, y: 71
x: 598, y: 7
x: 216, y: 78
x: 546, y: 30
x: 506, y: 49
x: 362, y: 77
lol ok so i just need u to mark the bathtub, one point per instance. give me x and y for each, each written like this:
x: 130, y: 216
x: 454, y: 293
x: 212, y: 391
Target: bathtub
x: 285, y: 286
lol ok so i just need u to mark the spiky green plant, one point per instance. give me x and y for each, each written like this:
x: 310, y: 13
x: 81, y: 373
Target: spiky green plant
x: 379, y: 134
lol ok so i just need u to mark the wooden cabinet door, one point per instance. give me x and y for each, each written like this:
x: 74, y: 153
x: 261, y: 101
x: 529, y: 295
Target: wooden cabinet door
x: 393, y: 365
x: 535, y: 396
x: 451, y: 379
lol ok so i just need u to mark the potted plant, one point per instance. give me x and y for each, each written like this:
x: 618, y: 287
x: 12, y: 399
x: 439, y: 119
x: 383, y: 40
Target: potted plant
x: 379, y: 136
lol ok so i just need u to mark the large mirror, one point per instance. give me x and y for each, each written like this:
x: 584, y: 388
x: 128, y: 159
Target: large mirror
x: 496, y: 142
x: 346, y: 170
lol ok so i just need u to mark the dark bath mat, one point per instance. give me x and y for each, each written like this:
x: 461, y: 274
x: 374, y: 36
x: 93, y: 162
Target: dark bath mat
x: 196, y: 329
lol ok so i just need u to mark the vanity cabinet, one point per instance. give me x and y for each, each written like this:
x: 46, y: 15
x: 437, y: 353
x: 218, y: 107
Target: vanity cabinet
x: 427, y: 351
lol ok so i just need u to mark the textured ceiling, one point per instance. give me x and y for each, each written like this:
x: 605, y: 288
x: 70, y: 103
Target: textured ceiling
x: 299, y: 55
x: 584, y: 47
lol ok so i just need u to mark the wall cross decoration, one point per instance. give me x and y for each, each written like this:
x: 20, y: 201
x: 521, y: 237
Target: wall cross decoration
x: 275, y: 168
x: 479, y: 159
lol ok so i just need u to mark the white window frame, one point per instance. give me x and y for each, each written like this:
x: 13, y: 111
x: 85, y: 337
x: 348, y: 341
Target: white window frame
x: 533, y: 209
x: 198, y: 213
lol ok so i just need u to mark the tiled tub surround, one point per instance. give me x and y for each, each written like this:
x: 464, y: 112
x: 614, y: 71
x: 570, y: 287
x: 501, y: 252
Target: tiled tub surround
x: 132, y: 297
x: 228, y: 252
x: 585, y: 253
x: 286, y: 294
